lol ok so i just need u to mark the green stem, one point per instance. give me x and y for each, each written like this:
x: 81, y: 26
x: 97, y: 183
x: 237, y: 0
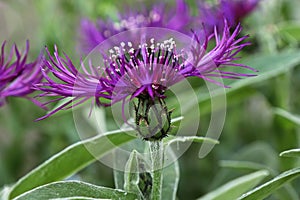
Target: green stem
x: 156, y: 151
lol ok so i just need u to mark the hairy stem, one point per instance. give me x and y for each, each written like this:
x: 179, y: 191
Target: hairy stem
x: 156, y: 151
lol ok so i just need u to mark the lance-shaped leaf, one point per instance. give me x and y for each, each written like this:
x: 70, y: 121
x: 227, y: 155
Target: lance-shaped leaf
x: 170, y: 179
x: 236, y: 187
x: 70, y: 160
x: 291, y: 153
x: 131, y: 175
x: 74, y: 189
x: 271, y: 186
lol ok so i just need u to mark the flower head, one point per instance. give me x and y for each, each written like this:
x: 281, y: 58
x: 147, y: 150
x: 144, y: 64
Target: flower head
x: 16, y: 74
x: 236, y: 10
x: 231, y: 10
x: 145, y: 71
x: 92, y: 34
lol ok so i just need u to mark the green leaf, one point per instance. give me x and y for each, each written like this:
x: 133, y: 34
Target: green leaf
x: 256, y: 152
x: 287, y: 115
x: 170, y: 179
x: 288, y: 192
x: 76, y: 189
x: 70, y: 160
x: 236, y: 187
x: 172, y: 139
x: 132, y: 174
x: 271, y: 186
x: 119, y: 163
x: 78, y: 198
x: 291, y: 153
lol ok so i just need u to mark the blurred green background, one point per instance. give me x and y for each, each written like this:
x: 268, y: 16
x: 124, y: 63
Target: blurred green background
x: 254, y: 130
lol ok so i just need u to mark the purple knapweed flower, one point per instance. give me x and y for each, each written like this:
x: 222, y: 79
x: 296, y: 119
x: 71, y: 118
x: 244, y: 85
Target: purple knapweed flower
x: 92, y: 34
x: 236, y: 10
x: 16, y: 74
x: 143, y: 72
x: 231, y: 10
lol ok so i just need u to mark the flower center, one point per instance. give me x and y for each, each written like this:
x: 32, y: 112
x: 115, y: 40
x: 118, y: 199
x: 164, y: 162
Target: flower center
x: 147, y: 70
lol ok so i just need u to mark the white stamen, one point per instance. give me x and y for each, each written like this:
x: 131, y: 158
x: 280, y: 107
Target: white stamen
x: 131, y: 50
